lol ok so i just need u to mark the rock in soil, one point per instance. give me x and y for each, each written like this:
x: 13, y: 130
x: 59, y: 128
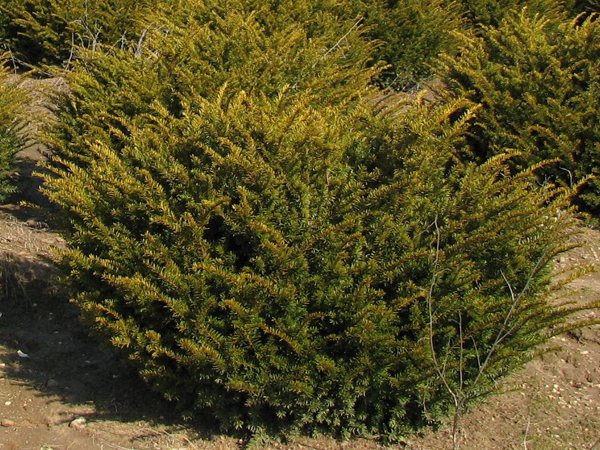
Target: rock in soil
x: 78, y: 423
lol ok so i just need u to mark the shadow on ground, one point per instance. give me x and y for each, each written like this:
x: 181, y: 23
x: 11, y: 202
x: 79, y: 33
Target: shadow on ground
x: 50, y: 365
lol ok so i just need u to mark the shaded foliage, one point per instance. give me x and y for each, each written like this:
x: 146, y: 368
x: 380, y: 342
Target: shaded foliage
x: 52, y: 31
x: 11, y: 103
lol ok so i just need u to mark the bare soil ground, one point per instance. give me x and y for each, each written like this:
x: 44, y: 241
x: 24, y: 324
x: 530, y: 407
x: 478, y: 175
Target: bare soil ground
x: 59, y: 390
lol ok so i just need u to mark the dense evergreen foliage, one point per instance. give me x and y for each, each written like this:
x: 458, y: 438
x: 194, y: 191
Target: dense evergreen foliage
x: 483, y: 13
x: 410, y: 32
x: 279, y: 246
x: 577, y: 7
x: 538, y: 80
x: 279, y: 243
x: 11, y: 102
x: 51, y: 31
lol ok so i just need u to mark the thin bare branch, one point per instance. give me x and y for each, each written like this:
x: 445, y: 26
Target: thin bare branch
x: 337, y: 45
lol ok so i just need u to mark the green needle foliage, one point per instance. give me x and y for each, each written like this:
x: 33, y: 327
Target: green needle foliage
x: 277, y: 246
x: 11, y: 103
x: 410, y: 33
x: 577, y: 7
x: 538, y: 81
x: 51, y: 31
x: 484, y: 13
x: 4, y: 22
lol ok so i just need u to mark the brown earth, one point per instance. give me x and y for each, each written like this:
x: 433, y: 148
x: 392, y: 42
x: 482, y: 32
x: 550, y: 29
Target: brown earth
x: 59, y: 390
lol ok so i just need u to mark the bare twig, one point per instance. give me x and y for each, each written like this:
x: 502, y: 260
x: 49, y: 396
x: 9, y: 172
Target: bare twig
x: 337, y: 45
x: 140, y: 45
x: 503, y: 333
x: 13, y: 61
x: 595, y: 445
x: 461, y: 394
x: 441, y: 371
x: 71, y: 53
x: 526, y: 433
x: 571, y: 183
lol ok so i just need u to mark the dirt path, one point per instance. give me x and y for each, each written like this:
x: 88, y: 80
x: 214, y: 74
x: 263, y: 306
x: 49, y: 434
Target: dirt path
x: 59, y: 390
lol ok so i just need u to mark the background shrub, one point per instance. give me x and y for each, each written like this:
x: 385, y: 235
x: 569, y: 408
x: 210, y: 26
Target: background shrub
x: 407, y: 35
x: 4, y: 22
x: 51, y: 31
x: 537, y: 79
x: 276, y: 248
x: 579, y: 6
x: 410, y: 33
x: 491, y: 12
x: 11, y: 102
